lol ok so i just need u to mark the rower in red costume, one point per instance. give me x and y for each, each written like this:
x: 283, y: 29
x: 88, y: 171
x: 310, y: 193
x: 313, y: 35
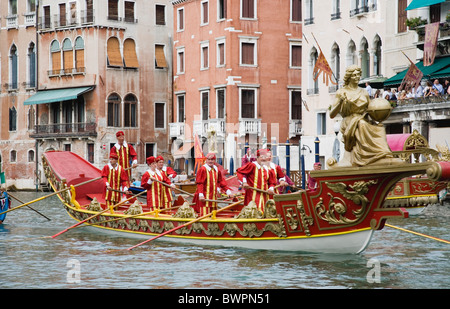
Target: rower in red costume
x: 277, y: 172
x: 115, y: 178
x: 257, y: 175
x: 209, y: 182
x: 154, y: 188
x: 125, y: 152
x: 171, y: 174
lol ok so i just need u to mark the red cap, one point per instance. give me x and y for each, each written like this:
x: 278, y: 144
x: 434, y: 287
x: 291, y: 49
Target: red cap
x: 211, y: 155
x: 120, y: 133
x: 114, y: 156
x: 150, y: 160
x: 159, y: 158
x: 261, y: 152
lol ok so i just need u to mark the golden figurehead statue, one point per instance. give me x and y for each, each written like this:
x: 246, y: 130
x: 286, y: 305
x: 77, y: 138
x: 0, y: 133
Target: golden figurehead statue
x: 363, y: 134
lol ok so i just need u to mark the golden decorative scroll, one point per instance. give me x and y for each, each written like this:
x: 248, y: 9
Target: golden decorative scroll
x: 336, y: 212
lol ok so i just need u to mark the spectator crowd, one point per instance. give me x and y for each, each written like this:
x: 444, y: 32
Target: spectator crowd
x: 425, y: 89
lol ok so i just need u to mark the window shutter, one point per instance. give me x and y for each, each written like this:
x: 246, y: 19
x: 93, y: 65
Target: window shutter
x: 129, y: 54
x: 247, y: 53
x: 114, y: 56
x: 56, y: 62
x: 160, y: 57
x: 160, y: 15
x: 68, y: 61
x: 79, y: 59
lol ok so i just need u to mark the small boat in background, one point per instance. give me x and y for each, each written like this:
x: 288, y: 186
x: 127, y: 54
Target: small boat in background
x: 5, y: 202
x: 415, y: 193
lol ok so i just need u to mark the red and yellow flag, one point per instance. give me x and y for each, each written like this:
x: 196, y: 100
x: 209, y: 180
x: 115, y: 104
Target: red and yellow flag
x: 198, y: 153
x: 322, y: 66
x: 412, y: 78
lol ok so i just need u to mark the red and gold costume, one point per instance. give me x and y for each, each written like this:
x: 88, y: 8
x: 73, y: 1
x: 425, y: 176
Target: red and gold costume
x: 278, y: 174
x: 259, y: 177
x: 166, y: 191
x: 126, y: 153
x: 116, y: 178
x: 208, y: 180
x: 154, y: 188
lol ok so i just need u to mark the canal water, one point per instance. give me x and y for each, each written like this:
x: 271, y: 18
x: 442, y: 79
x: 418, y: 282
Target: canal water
x: 394, y: 259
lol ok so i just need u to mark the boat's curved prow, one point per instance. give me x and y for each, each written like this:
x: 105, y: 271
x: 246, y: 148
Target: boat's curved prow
x: 72, y: 169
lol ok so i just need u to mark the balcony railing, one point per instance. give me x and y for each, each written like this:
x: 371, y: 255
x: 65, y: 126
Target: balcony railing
x: 249, y: 126
x: 176, y: 130
x: 63, y: 130
x: 30, y: 19
x: 203, y: 127
x: 295, y: 127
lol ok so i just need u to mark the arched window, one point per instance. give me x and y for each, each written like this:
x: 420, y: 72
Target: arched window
x: 68, y: 56
x: 13, y: 67
x: 365, y: 58
x: 12, y: 119
x: 335, y: 61
x: 13, y: 156
x: 30, y: 155
x: 130, y: 111
x: 129, y: 54
x: 31, y: 65
x: 114, y: 110
x: 377, y: 56
x: 55, y: 51
x: 351, y: 57
x: 313, y: 84
x: 114, y: 55
x: 79, y: 55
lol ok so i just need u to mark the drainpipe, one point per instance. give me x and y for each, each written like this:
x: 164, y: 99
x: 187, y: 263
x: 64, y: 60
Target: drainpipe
x: 37, y: 87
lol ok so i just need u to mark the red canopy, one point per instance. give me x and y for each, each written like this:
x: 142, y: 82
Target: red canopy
x: 397, y: 141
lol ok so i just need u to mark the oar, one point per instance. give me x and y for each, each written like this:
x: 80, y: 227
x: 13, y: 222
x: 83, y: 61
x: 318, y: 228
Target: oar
x: 52, y: 194
x: 184, y: 225
x: 98, y: 214
x: 29, y: 207
x: 416, y: 233
x: 55, y: 193
x: 167, y: 185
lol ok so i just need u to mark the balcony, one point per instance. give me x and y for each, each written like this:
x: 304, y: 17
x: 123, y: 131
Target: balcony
x: 249, y: 126
x: 295, y: 128
x: 203, y: 127
x: 30, y: 19
x: 12, y: 22
x: 176, y: 130
x: 64, y: 130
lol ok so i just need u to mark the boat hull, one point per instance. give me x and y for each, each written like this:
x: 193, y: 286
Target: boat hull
x: 348, y: 242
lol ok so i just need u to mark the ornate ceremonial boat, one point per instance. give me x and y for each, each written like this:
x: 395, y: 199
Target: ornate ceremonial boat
x: 340, y: 216
x: 417, y: 192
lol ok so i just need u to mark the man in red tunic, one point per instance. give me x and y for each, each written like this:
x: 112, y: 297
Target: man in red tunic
x: 171, y: 174
x: 257, y: 175
x: 125, y: 152
x: 115, y: 178
x: 276, y: 171
x: 153, y: 187
x: 210, y: 182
